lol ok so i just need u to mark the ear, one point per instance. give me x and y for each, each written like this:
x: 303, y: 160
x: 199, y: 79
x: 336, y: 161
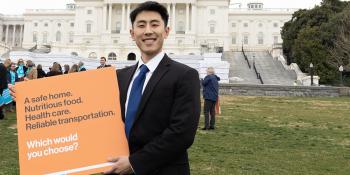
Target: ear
x: 167, y: 31
x: 132, y: 34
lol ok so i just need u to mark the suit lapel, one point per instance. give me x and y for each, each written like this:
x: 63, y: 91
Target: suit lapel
x: 160, y: 71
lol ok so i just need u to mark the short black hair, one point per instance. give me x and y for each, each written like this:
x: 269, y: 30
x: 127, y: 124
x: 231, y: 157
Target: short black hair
x: 103, y: 58
x: 150, y: 6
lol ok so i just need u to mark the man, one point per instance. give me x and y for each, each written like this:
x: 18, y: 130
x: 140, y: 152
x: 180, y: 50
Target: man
x: 3, y: 86
x: 160, y: 101
x: 210, y: 93
x: 103, y: 63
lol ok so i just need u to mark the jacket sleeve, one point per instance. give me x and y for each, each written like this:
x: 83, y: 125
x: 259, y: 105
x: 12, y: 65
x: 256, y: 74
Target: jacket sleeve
x: 205, y: 81
x: 180, y: 133
x: 8, y: 74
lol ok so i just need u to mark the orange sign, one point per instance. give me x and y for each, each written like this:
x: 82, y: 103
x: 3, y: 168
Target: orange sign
x: 70, y: 124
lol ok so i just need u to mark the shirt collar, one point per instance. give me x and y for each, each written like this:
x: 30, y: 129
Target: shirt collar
x: 153, y: 63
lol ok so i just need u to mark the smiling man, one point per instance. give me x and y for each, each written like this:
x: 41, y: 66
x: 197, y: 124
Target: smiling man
x: 160, y: 101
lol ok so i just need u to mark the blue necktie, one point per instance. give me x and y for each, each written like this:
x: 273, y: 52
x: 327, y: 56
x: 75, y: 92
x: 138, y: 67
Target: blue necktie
x: 135, y: 98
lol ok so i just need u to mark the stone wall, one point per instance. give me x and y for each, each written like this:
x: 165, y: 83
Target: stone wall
x: 275, y: 90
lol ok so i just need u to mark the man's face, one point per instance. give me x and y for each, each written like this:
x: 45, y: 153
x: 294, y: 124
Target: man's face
x: 102, y: 61
x: 149, y: 32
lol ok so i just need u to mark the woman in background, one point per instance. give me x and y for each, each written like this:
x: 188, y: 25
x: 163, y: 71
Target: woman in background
x: 41, y: 72
x: 31, y: 72
x: 21, y: 69
x: 74, y: 68
x: 55, y: 70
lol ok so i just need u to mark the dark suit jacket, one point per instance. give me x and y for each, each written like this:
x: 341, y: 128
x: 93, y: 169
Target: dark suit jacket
x: 167, y: 118
x: 3, y: 78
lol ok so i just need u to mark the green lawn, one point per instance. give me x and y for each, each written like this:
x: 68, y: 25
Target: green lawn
x: 255, y: 135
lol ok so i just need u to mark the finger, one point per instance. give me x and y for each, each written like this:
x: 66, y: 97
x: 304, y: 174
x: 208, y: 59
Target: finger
x: 113, y: 169
x: 113, y: 159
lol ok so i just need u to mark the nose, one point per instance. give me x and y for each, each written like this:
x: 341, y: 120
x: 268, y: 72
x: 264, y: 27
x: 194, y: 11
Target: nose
x: 148, y: 30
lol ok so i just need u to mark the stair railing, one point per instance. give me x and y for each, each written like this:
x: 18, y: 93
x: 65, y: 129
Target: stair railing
x: 246, y: 58
x: 258, y: 75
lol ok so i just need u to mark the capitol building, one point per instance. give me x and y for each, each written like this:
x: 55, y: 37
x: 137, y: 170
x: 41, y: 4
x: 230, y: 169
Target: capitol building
x: 95, y: 28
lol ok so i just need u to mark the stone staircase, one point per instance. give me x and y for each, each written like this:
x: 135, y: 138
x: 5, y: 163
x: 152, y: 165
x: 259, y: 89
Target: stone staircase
x: 271, y: 70
x: 239, y: 73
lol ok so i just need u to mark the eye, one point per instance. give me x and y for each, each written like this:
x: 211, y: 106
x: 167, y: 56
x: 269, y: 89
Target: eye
x: 141, y: 25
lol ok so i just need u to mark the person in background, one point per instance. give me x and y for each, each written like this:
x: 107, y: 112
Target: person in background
x: 74, y: 68
x: 103, y: 63
x: 3, y: 86
x: 41, y: 72
x: 3, y: 80
x: 21, y: 69
x: 81, y: 66
x: 55, y: 70
x: 31, y: 72
x: 210, y: 93
x: 66, y: 69
x: 12, y: 78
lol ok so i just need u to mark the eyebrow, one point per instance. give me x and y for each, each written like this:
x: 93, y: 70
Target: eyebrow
x: 144, y: 21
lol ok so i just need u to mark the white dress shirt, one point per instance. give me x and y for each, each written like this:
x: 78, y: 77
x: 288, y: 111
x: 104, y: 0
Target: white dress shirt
x: 152, y: 64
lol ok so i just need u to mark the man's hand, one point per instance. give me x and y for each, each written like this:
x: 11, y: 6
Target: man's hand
x: 12, y: 91
x: 121, y: 166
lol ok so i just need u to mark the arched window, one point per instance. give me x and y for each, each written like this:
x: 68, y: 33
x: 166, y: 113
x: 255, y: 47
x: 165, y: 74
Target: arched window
x: 35, y: 37
x: 93, y: 55
x: 260, y: 38
x: 74, y: 54
x: 58, y: 36
x: 212, y: 25
x: 234, y: 39
x: 275, y: 39
x: 112, y: 56
x: 245, y: 39
x: 71, y: 35
x: 88, y: 26
x: 180, y: 27
x: 45, y: 37
x: 118, y: 27
x: 131, y: 56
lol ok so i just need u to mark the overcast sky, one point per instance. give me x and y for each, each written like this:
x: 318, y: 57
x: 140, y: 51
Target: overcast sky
x: 18, y: 6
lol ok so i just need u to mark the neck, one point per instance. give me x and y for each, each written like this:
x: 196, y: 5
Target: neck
x: 147, y: 57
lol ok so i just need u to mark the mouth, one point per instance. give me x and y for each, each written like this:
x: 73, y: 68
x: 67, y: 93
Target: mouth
x: 149, y: 40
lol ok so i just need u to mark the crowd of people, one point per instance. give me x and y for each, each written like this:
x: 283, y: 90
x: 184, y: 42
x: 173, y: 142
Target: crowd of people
x: 12, y: 72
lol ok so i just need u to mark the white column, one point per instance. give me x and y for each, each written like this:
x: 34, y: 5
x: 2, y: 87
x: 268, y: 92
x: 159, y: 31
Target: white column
x: 173, y: 18
x: 187, y: 18
x: 194, y: 16
x: 110, y: 18
x: 21, y: 35
x: 168, y: 8
x: 123, y: 19
x: 13, y: 35
x: 1, y: 32
x: 104, y: 16
x: 7, y: 34
x: 127, y: 17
